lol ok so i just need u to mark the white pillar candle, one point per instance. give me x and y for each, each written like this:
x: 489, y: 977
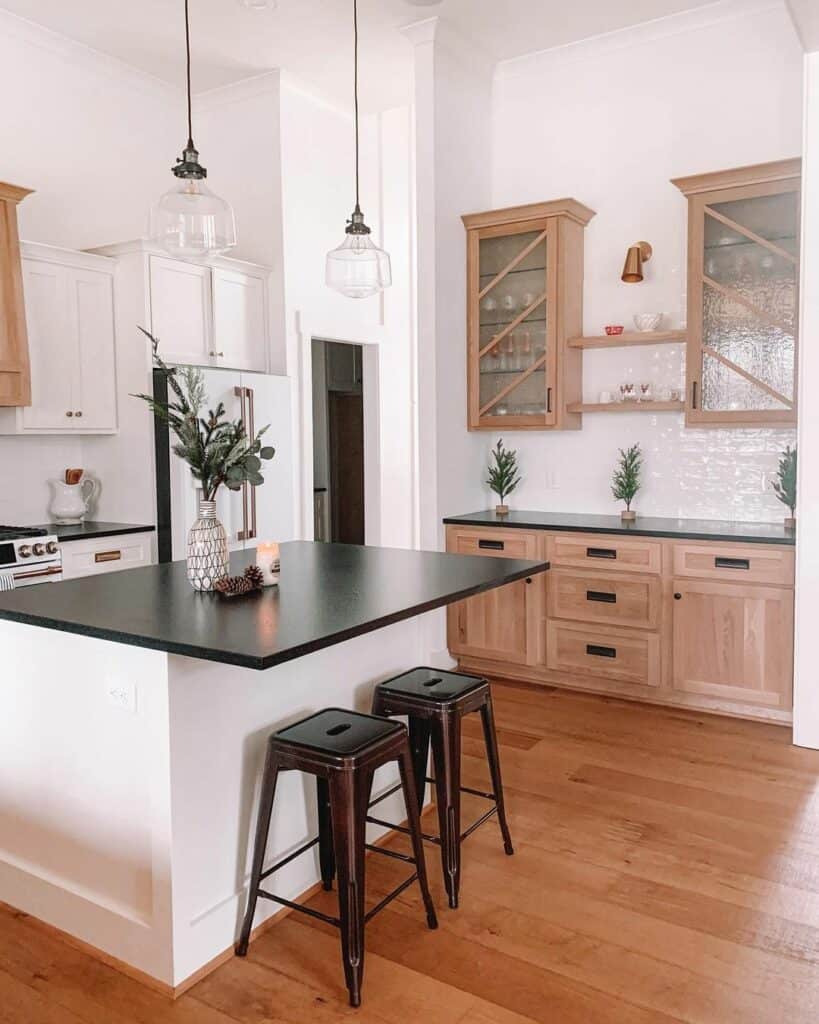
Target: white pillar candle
x: 267, y: 559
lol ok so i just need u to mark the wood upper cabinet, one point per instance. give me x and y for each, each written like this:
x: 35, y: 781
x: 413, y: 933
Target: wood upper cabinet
x: 743, y: 281
x: 733, y: 642
x: 15, y: 377
x: 524, y: 300
x: 503, y: 624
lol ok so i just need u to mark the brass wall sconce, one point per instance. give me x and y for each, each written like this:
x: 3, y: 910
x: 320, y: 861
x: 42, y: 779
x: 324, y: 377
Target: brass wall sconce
x: 637, y: 255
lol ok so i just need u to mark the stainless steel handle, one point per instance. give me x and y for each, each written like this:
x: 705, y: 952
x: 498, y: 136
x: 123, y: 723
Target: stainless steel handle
x: 251, y: 432
x: 244, y: 533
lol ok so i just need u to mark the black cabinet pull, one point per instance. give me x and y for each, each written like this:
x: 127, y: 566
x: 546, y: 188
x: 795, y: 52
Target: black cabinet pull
x: 678, y: 597
x: 548, y: 400
x: 693, y: 394
x: 732, y: 563
x: 491, y: 545
x: 528, y: 579
x: 601, y: 596
x: 601, y: 652
x: 601, y: 553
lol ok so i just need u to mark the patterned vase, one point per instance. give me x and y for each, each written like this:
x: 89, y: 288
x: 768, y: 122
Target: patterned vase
x: 207, y: 548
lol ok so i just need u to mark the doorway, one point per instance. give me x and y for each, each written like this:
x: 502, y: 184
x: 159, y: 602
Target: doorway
x: 338, y: 442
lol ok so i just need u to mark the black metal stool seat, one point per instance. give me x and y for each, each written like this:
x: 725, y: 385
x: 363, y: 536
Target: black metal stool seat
x: 435, y: 703
x: 342, y: 749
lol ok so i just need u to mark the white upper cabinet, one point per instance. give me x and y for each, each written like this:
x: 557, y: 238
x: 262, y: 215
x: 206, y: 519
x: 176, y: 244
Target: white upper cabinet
x: 69, y: 301
x: 181, y: 310
x: 239, y: 319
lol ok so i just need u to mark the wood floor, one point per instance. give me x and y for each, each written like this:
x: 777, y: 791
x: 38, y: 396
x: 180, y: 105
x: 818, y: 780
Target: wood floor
x: 666, y: 870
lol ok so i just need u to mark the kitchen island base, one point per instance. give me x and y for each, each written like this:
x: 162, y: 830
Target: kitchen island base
x: 129, y: 779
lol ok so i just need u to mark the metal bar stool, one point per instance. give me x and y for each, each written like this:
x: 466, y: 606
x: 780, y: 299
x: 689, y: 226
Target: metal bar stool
x: 342, y: 749
x: 435, y: 703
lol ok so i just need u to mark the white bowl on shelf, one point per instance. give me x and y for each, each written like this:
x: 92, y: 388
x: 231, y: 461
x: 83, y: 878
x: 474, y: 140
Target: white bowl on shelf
x: 647, y: 321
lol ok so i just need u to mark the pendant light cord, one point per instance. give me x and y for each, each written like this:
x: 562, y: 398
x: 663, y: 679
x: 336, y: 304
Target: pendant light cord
x: 188, y: 73
x: 355, y: 90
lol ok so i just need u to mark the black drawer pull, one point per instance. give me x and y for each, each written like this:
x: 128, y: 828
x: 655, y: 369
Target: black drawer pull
x: 491, y: 545
x: 601, y: 652
x: 732, y: 563
x: 601, y: 596
x: 601, y: 553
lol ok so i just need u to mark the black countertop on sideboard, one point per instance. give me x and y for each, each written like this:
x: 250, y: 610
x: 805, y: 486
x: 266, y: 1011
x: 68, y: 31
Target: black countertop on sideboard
x: 642, y: 526
x: 328, y: 593
x: 90, y: 530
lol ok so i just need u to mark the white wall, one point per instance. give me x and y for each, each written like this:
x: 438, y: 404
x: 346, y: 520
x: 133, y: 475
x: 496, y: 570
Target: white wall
x: 610, y: 121
x: 318, y: 197
x: 95, y: 139
x: 806, y: 673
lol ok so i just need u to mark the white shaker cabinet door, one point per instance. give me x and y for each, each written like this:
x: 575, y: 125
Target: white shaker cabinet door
x: 181, y: 311
x: 53, y: 348
x: 239, y: 320
x: 91, y: 305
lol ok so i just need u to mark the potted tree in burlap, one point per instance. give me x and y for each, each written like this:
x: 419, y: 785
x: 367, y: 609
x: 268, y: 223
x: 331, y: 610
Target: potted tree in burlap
x: 785, y: 484
x: 626, y: 480
x: 503, y: 474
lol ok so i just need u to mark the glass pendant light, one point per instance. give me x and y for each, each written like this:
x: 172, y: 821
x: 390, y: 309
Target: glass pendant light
x: 358, y: 268
x: 190, y: 220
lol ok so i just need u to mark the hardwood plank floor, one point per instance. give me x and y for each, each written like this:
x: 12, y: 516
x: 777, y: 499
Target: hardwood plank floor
x: 666, y: 872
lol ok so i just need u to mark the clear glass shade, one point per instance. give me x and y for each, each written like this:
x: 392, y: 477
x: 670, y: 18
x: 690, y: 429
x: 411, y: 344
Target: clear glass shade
x: 358, y: 268
x: 190, y: 220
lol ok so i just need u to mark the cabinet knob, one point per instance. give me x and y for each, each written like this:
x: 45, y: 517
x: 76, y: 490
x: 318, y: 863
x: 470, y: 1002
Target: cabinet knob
x: 78, y: 412
x: 677, y: 597
x: 528, y: 579
x: 69, y: 414
x: 222, y: 354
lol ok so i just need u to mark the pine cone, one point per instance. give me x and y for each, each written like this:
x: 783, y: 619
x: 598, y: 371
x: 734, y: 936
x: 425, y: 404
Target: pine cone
x: 254, y: 575
x: 233, y: 586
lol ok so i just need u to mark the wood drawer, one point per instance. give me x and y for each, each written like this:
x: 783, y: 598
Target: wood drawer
x: 596, y: 597
x: 499, y: 542
x: 603, y: 551
x: 106, y: 554
x: 735, y: 563
x: 619, y: 654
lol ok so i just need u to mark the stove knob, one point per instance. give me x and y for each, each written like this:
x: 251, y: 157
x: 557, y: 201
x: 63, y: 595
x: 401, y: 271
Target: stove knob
x: 24, y: 551
x: 39, y: 549
x: 52, y: 547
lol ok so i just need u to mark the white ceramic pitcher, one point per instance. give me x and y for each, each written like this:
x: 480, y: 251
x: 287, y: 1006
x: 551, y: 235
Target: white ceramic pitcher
x: 71, y: 502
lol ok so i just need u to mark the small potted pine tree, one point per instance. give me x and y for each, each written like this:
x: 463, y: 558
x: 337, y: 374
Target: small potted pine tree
x: 785, y: 484
x: 626, y: 480
x: 503, y: 474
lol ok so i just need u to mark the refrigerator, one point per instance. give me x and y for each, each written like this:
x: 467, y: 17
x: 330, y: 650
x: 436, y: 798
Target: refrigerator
x: 253, y: 514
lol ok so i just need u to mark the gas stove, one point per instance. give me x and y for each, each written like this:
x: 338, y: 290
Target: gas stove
x: 29, y: 555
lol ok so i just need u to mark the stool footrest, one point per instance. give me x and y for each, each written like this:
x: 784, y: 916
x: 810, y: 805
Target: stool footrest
x: 390, y: 897
x: 389, y: 853
x: 286, y: 860
x: 394, y: 789
x: 464, y: 789
x: 401, y: 828
x: 300, y: 907
x: 480, y: 821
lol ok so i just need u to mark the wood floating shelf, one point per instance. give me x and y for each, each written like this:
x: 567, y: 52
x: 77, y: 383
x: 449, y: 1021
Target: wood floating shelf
x: 628, y: 338
x: 626, y: 406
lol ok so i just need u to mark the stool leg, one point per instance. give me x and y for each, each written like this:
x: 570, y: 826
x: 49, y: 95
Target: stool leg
x: 270, y: 774
x: 446, y: 755
x: 327, y: 861
x: 405, y: 767
x: 491, y: 740
x: 419, y: 746
x: 349, y: 796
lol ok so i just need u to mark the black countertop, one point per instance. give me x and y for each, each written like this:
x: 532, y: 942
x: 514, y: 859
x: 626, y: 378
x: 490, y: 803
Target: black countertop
x: 89, y: 530
x: 328, y: 593
x: 642, y: 526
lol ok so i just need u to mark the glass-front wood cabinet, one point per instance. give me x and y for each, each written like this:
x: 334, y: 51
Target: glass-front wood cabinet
x: 743, y: 294
x: 524, y: 300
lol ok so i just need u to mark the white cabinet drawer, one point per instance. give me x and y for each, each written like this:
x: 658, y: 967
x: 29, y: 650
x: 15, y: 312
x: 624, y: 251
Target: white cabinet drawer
x: 106, y: 554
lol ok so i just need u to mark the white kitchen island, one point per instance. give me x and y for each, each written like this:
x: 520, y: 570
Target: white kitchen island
x: 134, y: 718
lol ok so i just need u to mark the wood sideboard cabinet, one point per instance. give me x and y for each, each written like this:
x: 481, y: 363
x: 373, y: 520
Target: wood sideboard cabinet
x: 743, y: 294
x: 697, y: 624
x: 15, y: 370
x: 524, y: 301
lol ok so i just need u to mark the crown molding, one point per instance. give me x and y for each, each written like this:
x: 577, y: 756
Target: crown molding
x: 645, y: 32
x: 420, y: 32
x: 268, y: 83
x: 27, y: 32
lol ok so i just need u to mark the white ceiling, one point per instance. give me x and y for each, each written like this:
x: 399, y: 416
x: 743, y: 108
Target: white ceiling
x: 313, y: 38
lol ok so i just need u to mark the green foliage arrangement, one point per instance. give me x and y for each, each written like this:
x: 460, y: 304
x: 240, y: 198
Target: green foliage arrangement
x: 626, y: 480
x: 218, y: 450
x: 785, y: 483
x: 503, y: 470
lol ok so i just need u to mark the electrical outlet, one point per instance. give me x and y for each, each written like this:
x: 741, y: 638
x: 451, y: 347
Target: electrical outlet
x: 122, y: 695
